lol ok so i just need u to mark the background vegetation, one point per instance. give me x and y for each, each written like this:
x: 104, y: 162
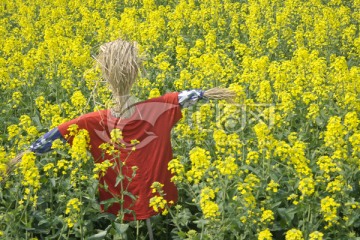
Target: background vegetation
x: 282, y: 162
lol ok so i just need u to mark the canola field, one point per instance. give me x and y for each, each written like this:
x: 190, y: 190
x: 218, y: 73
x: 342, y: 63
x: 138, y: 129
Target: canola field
x: 280, y: 162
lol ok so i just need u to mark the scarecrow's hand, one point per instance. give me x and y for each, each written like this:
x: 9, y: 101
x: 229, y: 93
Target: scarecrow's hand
x: 44, y: 143
x: 190, y: 97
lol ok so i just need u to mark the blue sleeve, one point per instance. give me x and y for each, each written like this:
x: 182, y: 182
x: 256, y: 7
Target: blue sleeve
x: 190, y: 97
x: 44, y: 143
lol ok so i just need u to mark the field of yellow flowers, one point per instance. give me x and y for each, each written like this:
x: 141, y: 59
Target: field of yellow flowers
x: 281, y: 162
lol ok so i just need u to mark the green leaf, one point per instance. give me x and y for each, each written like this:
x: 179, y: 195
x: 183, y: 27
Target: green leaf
x: 99, y: 235
x: 129, y: 194
x: 274, y: 205
x: 121, y: 227
x: 43, y: 222
x: 53, y: 181
x: 106, y: 187
x: 107, y: 203
x: 352, y: 221
x: 201, y: 223
x: 287, y: 214
x: 182, y: 234
x: 183, y: 217
x: 119, y: 178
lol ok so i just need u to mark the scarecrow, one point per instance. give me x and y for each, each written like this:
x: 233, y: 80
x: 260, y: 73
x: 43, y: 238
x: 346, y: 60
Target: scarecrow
x: 149, y: 122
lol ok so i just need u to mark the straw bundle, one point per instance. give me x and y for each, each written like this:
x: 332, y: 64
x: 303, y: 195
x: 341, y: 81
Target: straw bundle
x: 12, y: 164
x: 120, y: 66
x: 219, y: 93
x: 16, y: 160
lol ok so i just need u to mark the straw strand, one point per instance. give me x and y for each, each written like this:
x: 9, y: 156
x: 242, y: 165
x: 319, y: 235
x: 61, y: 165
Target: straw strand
x: 219, y: 93
x: 12, y: 164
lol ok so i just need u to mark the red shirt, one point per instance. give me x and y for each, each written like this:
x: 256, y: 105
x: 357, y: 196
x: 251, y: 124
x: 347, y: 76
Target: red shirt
x: 151, y: 124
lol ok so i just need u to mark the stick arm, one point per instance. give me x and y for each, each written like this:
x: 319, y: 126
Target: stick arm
x: 40, y: 146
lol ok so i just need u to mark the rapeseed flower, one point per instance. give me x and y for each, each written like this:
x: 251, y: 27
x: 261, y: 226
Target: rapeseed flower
x: 177, y: 169
x: 329, y: 210
x: 265, y: 235
x: 80, y: 146
x: 316, y: 235
x: 294, y: 234
x: 100, y: 168
x: 209, y: 208
x: 267, y: 216
x: 307, y: 187
x: 272, y: 186
x: 200, y: 162
x: 72, y: 210
x: 158, y: 202
x: 31, y: 177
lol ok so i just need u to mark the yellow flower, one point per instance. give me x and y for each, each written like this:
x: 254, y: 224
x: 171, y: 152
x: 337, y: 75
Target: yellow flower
x: 31, y: 176
x: 16, y: 99
x: 227, y: 167
x: 294, y: 234
x: 13, y: 131
x: 209, y: 208
x: 272, y: 186
x: 334, y: 134
x: 265, y: 235
x: 293, y: 197
x: 47, y: 168
x: 158, y: 202
x: 313, y: 112
x: 264, y: 94
x: 101, y: 168
x: 328, y: 166
x: 79, y: 101
x: 116, y: 136
x: 252, y: 157
x: 307, y: 186
x: 80, y: 146
x: 177, y: 169
x: 267, y: 216
x: 329, y: 210
x: 154, y: 93
x: 67, y: 84
x: 134, y: 142
x: 73, y: 205
x: 351, y: 121
x: 200, y: 162
x: 316, y: 235
x: 3, y: 169
x: 263, y: 135
x: 337, y: 185
x: 58, y: 144
x: 355, y: 143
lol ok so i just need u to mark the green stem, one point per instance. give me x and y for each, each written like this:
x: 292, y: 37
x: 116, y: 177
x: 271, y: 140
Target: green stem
x: 173, y: 217
x: 51, y: 207
x: 224, y: 202
x: 137, y: 229
x: 202, y: 231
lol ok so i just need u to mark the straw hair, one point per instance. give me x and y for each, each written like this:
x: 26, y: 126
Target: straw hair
x: 120, y: 67
x: 219, y: 93
x: 12, y: 164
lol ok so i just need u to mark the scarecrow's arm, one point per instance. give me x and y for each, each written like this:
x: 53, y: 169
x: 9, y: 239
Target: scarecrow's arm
x: 44, y: 143
x: 190, y: 97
